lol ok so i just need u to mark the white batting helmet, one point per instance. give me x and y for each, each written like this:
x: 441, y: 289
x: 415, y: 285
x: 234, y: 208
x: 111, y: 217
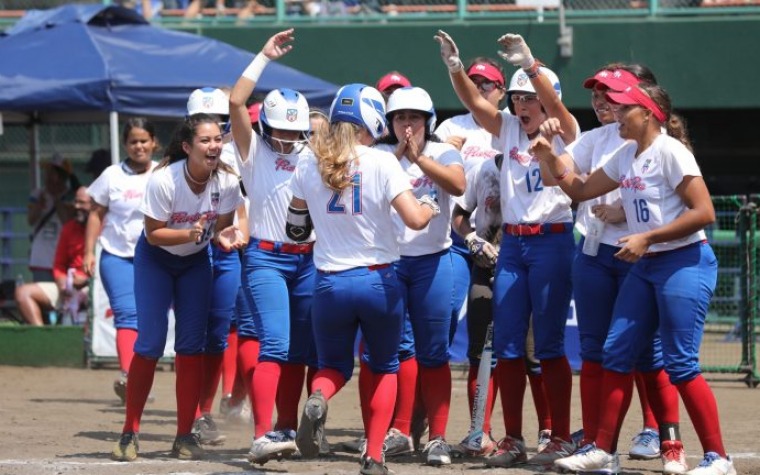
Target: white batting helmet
x: 208, y: 100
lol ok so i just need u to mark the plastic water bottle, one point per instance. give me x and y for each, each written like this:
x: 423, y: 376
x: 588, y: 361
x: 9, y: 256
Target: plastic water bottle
x: 53, y: 316
x: 594, y: 232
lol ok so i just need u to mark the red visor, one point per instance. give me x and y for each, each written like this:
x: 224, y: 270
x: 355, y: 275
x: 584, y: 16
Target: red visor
x: 254, y: 111
x: 616, y: 80
x: 488, y: 71
x: 632, y: 95
x: 392, y: 79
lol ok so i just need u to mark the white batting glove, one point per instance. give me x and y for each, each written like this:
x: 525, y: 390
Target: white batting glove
x: 431, y: 203
x: 483, y: 252
x: 449, y: 51
x: 515, y: 51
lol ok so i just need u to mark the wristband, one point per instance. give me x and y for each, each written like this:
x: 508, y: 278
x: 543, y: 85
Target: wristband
x: 532, y: 71
x: 456, y: 67
x: 562, y: 175
x: 254, y: 70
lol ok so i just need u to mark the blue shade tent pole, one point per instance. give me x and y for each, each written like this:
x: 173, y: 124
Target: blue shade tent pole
x: 113, y: 119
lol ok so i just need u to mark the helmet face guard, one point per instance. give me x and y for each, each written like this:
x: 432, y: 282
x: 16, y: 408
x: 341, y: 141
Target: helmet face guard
x: 415, y: 99
x: 361, y: 105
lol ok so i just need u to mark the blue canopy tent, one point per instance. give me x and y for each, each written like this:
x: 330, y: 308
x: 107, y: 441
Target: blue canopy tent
x: 86, y: 63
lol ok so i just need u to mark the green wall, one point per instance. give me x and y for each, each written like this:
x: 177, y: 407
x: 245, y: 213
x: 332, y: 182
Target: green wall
x: 703, y: 62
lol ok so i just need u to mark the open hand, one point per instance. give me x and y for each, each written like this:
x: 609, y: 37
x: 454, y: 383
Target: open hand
x: 449, y: 51
x: 278, y: 45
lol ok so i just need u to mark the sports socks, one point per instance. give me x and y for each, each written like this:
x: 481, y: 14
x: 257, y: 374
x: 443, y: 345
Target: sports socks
x: 384, y: 387
x: 212, y: 373
x: 661, y: 395
x: 289, y: 393
x: 266, y: 380
x: 591, y: 392
x: 329, y: 381
x: 512, y: 383
x: 140, y: 380
x: 540, y: 401
x: 558, y: 381
x: 435, y: 384
x: 617, y: 389
x: 703, y: 411
x: 229, y: 366
x: 406, y: 395
x: 125, y: 347
x: 189, y: 378
x: 248, y: 358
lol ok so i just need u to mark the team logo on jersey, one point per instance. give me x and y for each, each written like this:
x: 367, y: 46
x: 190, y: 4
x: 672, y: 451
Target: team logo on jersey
x: 645, y: 168
x: 291, y: 115
x: 215, y: 199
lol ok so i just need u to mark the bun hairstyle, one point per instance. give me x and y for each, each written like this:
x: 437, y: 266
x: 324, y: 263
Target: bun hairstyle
x: 674, y: 124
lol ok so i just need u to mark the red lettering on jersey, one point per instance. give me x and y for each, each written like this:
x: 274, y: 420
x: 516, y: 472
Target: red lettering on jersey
x: 474, y: 151
x: 521, y: 158
x: 182, y: 217
x: 282, y: 164
x: 634, y: 183
x: 420, y: 182
x: 132, y: 195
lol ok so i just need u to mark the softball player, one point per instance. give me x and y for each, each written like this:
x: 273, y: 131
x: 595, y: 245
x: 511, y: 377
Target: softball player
x: 278, y: 271
x: 347, y: 191
x: 190, y: 197
x: 116, y: 221
x: 226, y: 276
x: 674, y: 270
x: 533, y: 268
x: 425, y: 269
x: 598, y: 277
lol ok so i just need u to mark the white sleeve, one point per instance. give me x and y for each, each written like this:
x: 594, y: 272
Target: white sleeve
x: 678, y: 162
x: 295, y: 180
x: 444, y: 130
x: 470, y: 199
x: 396, y: 180
x: 500, y: 142
x: 159, y: 193
x: 582, y: 151
x: 612, y: 167
x: 231, y: 197
x: 248, y: 164
x: 99, y: 189
x: 450, y: 156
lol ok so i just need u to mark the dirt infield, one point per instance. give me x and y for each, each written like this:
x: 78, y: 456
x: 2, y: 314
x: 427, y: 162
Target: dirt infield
x: 65, y: 421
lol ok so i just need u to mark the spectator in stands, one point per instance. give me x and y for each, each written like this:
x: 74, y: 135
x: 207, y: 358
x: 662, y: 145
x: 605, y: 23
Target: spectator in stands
x: 34, y: 298
x: 99, y: 161
x: 390, y: 82
x: 195, y: 7
x: 49, y: 207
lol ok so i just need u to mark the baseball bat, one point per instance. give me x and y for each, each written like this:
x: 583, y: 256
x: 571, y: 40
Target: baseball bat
x: 474, y: 438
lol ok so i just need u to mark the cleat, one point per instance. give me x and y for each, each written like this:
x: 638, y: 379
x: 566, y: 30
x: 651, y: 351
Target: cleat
x: 474, y: 445
x: 208, y: 432
x: 312, y: 426
x: 188, y: 447
x: 120, y: 388
x: 544, y: 438
x: 325, y: 450
x: 673, y: 458
x: 126, y: 448
x: 353, y: 446
x: 590, y: 459
x: 555, y: 450
x: 645, y: 446
x: 418, y: 429
x: 577, y: 437
x: 372, y: 467
x: 397, y: 443
x: 714, y: 464
x: 272, y: 445
x: 438, y: 452
x: 509, y: 452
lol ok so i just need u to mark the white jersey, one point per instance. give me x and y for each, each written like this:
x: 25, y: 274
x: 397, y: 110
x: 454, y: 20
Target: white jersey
x: 477, y: 146
x: 229, y: 156
x: 168, y: 198
x: 265, y: 176
x: 648, y: 186
x: 121, y: 190
x: 355, y: 226
x: 436, y: 236
x: 591, y: 151
x: 524, y: 198
x: 483, y: 195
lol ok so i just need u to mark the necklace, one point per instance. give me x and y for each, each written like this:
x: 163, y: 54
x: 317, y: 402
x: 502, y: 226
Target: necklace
x: 190, y: 177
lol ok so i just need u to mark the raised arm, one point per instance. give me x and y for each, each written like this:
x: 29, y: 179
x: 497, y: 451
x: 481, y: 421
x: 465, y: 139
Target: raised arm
x: 276, y: 47
x: 488, y: 116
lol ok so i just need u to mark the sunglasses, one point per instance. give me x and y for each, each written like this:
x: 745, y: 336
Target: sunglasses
x: 524, y: 98
x: 486, y: 86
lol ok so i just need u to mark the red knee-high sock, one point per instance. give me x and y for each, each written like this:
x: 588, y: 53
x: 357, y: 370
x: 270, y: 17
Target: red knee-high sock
x: 540, y: 401
x: 591, y: 392
x: 139, y: 382
x: 512, y: 385
x: 647, y: 415
x: 558, y: 381
x: 189, y: 379
x: 699, y: 401
x: 616, y: 389
x: 366, y: 383
x: 288, y: 394
x: 329, y: 381
x: 266, y: 378
x: 125, y: 347
x: 472, y: 383
x: 661, y: 396
x: 212, y: 373
x: 248, y: 358
x: 380, y: 412
x: 435, y: 384
x: 229, y: 366
x: 406, y: 395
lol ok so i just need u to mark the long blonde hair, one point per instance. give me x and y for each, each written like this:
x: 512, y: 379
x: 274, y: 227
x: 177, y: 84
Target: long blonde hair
x: 335, y: 151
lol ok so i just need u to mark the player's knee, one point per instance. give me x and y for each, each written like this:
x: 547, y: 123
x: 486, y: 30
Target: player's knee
x: 682, y: 373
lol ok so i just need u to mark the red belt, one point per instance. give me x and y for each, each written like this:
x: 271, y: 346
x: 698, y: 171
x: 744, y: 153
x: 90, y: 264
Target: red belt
x: 537, y: 229
x: 661, y: 253
x: 378, y: 266
x: 285, y: 247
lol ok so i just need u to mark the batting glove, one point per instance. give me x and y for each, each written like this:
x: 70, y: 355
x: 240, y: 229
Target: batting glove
x: 515, y: 51
x: 430, y: 202
x: 449, y: 51
x: 483, y: 252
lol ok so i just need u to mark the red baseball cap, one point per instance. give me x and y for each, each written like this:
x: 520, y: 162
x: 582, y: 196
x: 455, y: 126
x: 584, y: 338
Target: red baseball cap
x: 633, y: 95
x: 488, y: 71
x: 254, y: 110
x: 393, y: 78
x: 616, y: 80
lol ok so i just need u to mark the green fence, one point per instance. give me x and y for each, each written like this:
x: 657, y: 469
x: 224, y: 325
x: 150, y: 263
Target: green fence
x: 729, y: 341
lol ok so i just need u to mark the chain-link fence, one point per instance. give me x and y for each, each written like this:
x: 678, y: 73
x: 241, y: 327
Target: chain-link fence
x: 728, y: 344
